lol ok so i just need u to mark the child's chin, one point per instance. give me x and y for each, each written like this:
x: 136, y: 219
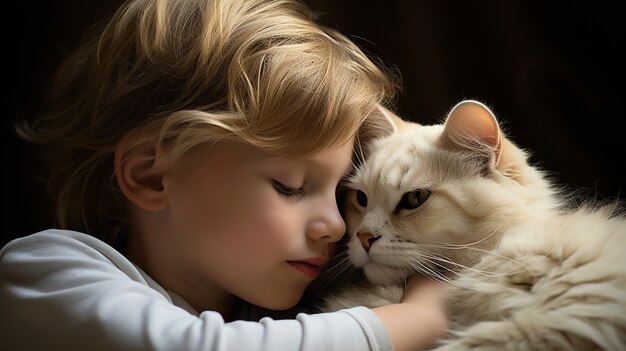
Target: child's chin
x: 279, y: 303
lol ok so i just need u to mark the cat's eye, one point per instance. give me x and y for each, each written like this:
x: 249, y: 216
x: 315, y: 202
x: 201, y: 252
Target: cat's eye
x: 285, y: 189
x: 361, y: 198
x: 412, y: 199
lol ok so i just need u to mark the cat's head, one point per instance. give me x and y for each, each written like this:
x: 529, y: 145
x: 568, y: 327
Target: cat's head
x: 429, y: 197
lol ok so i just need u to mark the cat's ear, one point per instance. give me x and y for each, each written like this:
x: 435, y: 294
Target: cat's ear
x: 380, y: 123
x: 470, y: 125
x: 385, y: 121
x: 393, y: 121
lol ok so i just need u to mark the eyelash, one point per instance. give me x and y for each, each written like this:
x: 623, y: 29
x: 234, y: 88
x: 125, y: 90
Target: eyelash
x: 286, y: 190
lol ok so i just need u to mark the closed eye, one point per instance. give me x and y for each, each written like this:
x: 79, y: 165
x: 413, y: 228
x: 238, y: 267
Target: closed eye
x: 286, y: 190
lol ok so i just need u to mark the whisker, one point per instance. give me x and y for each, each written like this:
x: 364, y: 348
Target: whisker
x: 435, y: 266
x: 425, y: 269
x: 459, y: 266
x: 455, y: 282
x: 462, y: 246
x: 422, y: 268
x: 476, y: 282
x: 337, y: 272
x: 358, y: 152
x: 483, y: 251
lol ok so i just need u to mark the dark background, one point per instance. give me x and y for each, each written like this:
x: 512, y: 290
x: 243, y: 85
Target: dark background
x: 552, y: 72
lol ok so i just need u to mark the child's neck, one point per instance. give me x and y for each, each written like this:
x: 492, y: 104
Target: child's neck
x: 201, y: 298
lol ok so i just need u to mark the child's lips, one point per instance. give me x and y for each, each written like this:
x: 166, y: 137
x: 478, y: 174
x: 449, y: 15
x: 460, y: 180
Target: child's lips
x: 310, y: 267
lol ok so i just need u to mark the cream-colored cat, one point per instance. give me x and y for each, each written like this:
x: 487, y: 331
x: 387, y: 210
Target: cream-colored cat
x: 460, y: 203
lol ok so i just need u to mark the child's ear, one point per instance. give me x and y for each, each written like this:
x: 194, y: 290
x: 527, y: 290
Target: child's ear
x: 139, y: 171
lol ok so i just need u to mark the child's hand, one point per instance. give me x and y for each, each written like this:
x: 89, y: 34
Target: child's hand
x: 420, y: 319
x: 424, y: 290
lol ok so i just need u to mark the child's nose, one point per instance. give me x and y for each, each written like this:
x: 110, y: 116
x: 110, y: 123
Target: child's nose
x: 328, y: 225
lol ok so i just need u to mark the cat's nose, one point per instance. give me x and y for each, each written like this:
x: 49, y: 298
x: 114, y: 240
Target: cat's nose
x: 367, y: 239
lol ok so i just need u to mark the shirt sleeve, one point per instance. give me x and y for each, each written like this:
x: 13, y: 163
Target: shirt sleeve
x: 60, y: 292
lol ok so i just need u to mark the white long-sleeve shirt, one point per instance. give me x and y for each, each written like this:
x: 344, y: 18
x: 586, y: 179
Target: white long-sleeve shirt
x: 64, y: 290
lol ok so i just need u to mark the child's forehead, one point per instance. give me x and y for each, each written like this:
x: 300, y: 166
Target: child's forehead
x: 320, y: 156
x: 306, y: 151
x: 247, y: 151
x: 333, y: 159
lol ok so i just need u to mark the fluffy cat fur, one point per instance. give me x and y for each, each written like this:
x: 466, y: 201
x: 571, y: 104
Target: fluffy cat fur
x: 460, y: 203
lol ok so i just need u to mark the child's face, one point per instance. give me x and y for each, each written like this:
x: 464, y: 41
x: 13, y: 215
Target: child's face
x: 246, y: 224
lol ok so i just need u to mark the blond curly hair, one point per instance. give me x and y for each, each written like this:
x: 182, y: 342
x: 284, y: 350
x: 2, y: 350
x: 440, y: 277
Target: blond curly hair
x: 195, y: 71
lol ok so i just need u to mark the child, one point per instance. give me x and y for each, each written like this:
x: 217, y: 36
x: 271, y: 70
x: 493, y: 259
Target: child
x: 199, y: 145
